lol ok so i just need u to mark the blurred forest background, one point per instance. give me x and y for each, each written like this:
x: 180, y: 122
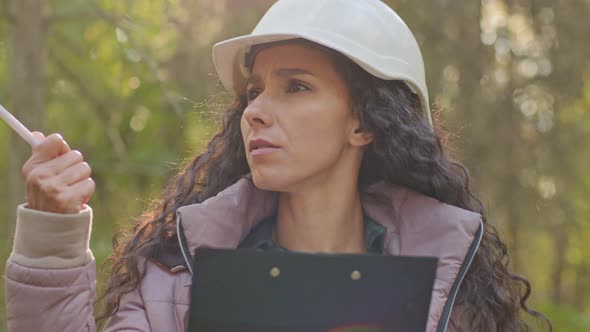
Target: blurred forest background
x: 131, y: 84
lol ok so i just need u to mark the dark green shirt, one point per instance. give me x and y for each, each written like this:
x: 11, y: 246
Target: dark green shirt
x: 260, y: 237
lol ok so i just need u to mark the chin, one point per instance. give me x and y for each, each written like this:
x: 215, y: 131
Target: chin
x: 270, y: 182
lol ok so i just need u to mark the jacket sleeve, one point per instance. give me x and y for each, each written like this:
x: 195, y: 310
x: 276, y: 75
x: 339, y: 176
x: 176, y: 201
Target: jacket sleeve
x: 51, y: 277
x: 131, y: 315
x: 50, y: 274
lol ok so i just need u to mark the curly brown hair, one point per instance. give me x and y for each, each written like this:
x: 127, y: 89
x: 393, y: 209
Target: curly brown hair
x: 406, y: 151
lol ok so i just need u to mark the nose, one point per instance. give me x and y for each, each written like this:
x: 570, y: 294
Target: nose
x: 257, y: 113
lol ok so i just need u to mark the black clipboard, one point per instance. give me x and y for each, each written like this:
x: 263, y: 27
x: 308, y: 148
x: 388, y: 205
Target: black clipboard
x: 251, y: 290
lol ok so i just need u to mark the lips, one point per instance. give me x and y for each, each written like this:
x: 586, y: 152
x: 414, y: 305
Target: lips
x: 260, y: 143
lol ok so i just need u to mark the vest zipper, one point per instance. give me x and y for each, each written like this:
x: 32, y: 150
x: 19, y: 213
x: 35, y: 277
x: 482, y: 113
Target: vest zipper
x: 447, y: 309
x: 183, y: 247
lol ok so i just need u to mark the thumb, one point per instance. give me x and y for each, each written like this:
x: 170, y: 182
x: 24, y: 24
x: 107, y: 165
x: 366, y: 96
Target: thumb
x: 39, y: 136
x: 49, y: 148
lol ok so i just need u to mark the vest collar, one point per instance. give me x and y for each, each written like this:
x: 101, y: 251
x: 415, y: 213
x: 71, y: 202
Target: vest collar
x: 416, y: 225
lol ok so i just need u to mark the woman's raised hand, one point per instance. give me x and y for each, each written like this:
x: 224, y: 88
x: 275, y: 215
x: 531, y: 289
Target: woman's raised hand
x: 56, y: 178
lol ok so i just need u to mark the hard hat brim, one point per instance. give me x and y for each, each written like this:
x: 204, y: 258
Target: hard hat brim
x: 229, y: 58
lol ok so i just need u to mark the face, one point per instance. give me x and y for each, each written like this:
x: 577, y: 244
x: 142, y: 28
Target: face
x: 298, y: 127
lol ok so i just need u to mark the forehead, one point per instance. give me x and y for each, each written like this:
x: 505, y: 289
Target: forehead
x: 312, y: 59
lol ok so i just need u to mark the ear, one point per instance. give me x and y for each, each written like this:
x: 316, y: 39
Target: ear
x: 359, y: 136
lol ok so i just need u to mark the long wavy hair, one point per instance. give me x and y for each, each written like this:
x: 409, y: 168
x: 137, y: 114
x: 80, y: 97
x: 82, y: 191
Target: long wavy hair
x: 406, y: 151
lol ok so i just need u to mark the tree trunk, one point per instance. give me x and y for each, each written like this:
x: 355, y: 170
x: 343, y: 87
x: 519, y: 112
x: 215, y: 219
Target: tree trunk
x: 581, y: 288
x: 27, y: 80
x: 561, y: 244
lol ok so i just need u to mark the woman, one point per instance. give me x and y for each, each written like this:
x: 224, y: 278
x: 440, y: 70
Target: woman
x: 329, y: 147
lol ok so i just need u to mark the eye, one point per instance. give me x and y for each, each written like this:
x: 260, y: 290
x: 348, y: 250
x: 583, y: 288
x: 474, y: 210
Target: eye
x: 252, y: 93
x: 297, y: 86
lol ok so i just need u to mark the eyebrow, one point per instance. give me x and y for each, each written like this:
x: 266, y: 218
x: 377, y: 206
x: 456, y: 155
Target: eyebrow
x: 282, y: 72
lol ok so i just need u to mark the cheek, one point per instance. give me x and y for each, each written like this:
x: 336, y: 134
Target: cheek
x: 317, y: 138
x: 316, y: 141
x: 319, y: 131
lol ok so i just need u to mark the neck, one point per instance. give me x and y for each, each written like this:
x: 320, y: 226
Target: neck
x: 323, y: 218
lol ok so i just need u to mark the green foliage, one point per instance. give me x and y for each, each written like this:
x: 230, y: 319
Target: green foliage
x: 566, y: 318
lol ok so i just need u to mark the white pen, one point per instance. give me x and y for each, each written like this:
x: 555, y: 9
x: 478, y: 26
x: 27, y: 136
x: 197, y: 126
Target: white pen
x: 18, y: 127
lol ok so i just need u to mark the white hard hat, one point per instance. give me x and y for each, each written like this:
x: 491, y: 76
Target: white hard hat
x: 366, y: 31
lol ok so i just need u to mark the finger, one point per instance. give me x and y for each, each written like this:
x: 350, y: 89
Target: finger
x: 80, y: 192
x: 59, y: 164
x: 65, y: 148
x: 70, y: 200
x: 39, y: 171
x: 51, y: 147
x: 75, y: 173
x: 86, y: 199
